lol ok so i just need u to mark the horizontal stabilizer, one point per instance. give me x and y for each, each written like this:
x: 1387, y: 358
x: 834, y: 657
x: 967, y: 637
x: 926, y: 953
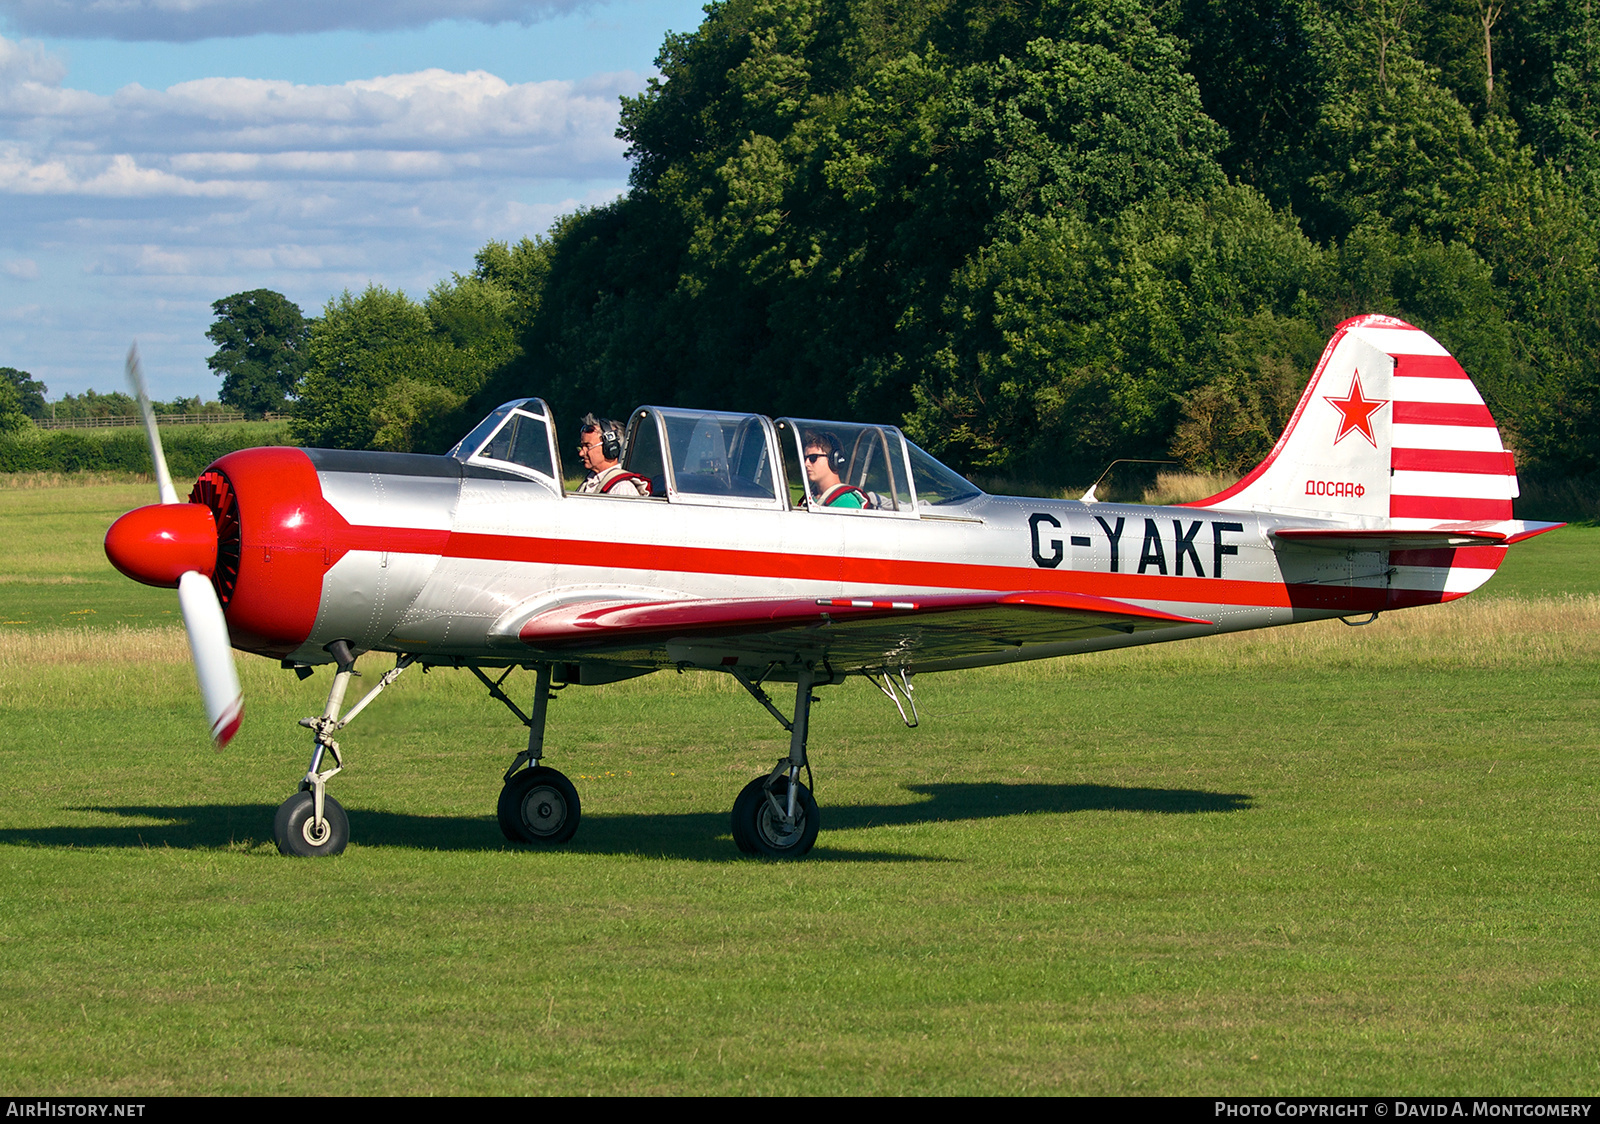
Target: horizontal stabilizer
x: 1444, y: 537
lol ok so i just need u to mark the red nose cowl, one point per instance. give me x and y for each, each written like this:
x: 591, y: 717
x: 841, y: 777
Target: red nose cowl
x: 159, y: 544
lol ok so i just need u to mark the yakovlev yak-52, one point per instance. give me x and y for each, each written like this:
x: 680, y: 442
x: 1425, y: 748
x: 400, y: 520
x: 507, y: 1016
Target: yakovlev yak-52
x: 1389, y: 488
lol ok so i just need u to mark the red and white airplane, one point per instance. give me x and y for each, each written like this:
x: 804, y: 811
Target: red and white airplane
x: 1389, y: 488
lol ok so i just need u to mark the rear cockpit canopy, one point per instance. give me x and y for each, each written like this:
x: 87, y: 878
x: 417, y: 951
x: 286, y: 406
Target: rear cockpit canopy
x: 894, y: 475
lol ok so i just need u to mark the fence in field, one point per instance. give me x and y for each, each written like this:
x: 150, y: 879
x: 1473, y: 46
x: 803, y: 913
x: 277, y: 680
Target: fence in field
x: 112, y: 421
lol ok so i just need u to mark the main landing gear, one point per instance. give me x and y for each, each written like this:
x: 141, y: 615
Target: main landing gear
x: 537, y: 804
x: 775, y: 816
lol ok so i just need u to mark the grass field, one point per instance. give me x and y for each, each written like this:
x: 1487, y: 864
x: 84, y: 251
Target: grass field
x: 1312, y: 860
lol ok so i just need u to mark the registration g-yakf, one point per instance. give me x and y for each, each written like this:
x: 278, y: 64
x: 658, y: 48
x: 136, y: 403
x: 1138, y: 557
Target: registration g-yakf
x: 1390, y: 488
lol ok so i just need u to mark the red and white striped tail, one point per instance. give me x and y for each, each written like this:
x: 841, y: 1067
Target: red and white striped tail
x: 1390, y: 434
x: 1391, y: 448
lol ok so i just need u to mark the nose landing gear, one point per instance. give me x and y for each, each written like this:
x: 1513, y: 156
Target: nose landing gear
x: 311, y: 824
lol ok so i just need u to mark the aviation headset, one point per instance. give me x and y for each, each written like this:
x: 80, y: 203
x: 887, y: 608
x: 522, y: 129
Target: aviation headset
x: 610, y: 435
x: 828, y: 442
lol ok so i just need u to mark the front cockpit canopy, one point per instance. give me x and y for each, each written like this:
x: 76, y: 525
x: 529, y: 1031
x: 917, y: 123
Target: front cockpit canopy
x: 518, y: 437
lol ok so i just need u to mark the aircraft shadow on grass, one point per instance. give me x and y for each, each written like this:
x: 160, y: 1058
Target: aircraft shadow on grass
x: 701, y: 836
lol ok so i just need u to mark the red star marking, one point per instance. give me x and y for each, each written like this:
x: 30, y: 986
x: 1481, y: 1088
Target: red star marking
x: 1356, y: 411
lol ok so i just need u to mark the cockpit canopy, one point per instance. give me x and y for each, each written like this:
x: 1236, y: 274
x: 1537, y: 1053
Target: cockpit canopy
x: 734, y: 460
x: 694, y: 456
x: 518, y: 437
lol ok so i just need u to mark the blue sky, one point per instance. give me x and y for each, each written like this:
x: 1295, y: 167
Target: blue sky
x: 151, y: 163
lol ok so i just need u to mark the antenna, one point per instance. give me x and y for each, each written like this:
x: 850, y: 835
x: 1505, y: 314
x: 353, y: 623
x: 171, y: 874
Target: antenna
x: 1090, y: 497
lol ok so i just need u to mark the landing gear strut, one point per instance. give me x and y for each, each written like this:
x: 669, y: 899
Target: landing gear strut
x: 311, y: 823
x: 537, y: 804
x: 775, y: 815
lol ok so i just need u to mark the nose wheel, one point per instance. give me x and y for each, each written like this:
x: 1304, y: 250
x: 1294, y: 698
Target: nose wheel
x: 539, y: 805
x: 298, y: 830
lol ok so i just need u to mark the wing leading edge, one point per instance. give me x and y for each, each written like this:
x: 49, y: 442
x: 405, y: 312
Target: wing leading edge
x: 850, y: 634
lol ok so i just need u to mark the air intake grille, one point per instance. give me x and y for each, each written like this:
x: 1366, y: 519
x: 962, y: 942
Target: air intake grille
x: 215, y: 490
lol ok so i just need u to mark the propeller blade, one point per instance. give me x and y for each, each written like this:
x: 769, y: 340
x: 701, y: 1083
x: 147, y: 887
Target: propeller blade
x: 213, y: 655
x: 202, y: 612
x: 158, y: 459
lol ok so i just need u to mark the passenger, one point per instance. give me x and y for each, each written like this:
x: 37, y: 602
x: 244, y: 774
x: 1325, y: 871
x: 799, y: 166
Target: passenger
x: 600, y: 447
x: 824, y: 461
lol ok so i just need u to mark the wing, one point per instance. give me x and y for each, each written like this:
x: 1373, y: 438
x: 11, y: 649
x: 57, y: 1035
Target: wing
x: 849, y: 634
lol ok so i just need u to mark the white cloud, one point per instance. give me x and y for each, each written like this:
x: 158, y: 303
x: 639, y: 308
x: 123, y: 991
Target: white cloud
x: 147, y: 205
x: 181, y: 21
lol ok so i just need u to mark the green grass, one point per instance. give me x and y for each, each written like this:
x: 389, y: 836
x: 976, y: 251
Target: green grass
x: 1316, y: 860
x: 53, y: 568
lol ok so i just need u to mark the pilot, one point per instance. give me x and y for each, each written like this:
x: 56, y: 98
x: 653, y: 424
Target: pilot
x: 824, y: 461
x: 600, y: 447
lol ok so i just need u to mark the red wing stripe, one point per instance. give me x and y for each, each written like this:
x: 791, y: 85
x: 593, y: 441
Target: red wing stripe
x: 1442, y: 413
x: 587, y: 622
x: 1428, y: 367
x: 1445, y: 508
x: 1452, y: 460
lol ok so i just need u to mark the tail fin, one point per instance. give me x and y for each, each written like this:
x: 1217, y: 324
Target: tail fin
x: 1390, y: 434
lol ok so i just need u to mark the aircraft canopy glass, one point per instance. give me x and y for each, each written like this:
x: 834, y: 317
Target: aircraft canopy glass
x: 518, y: 436
x: 864, y: 469
x: 938, y: 484
x: 695, y: 456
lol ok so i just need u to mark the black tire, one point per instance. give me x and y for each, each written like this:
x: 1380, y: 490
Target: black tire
x: 539, y: 805
x: 758, y: 830
x: 745, y: 806
x: 294, y: 832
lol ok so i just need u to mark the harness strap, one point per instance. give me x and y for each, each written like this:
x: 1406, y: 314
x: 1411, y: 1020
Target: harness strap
x: 833, y: 493
x: 640, y: 482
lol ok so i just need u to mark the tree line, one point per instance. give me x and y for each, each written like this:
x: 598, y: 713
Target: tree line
x: 1040, y: 234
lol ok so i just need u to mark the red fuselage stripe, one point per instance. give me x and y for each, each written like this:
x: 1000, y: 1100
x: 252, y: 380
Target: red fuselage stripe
x: 885, y: 573
x: 890, y: 573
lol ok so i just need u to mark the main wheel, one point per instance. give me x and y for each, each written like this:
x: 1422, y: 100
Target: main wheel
x: 296, y: 831
x: 744, y: 813
x: 759, y: 830
x: 539, y: 805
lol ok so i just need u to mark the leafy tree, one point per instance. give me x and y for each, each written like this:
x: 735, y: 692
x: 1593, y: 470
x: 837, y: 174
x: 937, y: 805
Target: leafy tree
x: 11, y: 416
x: 1231, y: 421
x: 388, y: 373
x: 29, y: 391
x: 812, y: 176
x: 1076, y: 344
x: 1049, y: 232
x: 261, y: 350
